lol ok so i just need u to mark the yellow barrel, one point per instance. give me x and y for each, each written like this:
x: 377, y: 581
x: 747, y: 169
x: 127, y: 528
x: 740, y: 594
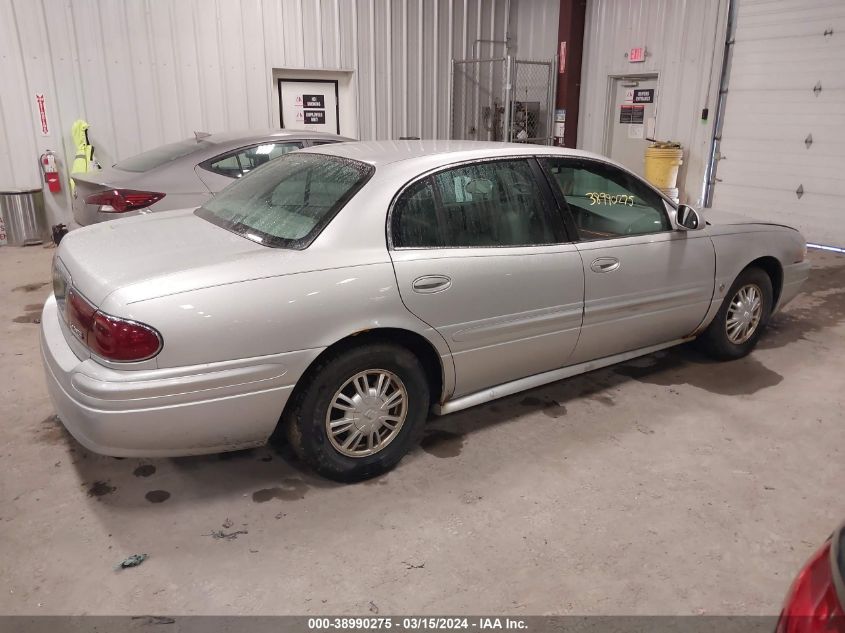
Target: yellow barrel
x: 662, y: 163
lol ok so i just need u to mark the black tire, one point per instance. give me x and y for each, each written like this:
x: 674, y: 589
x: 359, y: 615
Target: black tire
x: 714, y: 341
x: 305, y: 418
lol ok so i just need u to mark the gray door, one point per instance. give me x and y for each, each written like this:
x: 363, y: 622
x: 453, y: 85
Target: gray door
x: 481, y: 256
x: 631, y: 120
x: 644, y: 283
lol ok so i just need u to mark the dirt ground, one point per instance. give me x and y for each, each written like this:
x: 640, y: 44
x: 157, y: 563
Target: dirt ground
x: 668, y: 485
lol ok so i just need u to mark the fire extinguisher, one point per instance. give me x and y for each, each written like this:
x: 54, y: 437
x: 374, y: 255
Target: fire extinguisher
x: 51, y: 173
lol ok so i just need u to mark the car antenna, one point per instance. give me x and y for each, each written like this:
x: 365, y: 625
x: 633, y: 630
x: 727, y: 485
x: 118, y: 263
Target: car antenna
x: 201, y: 135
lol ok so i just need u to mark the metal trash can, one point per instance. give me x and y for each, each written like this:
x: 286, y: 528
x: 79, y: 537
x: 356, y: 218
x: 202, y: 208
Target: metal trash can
x: 24, y: 217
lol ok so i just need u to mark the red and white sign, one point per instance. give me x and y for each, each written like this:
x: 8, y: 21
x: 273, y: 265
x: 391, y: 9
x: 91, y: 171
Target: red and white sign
x: 43, y: 124
x: 637, y: 55
x: 562, y: 62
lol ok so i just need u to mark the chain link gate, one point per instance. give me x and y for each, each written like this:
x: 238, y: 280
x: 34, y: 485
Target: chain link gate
x: 502, y: 99
x: 532, y: 102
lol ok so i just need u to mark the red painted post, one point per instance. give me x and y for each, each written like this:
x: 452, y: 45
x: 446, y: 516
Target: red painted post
x: 570, y: 46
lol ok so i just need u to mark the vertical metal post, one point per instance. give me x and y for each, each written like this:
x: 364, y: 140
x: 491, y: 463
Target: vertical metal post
x: 551, y: 101
x: 721, y: 102
x: 506, y: 125
x: 451, y: 99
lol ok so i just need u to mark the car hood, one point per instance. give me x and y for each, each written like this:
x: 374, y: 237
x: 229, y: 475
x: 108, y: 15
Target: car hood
x: 153, y: 255
x: 718, y: 217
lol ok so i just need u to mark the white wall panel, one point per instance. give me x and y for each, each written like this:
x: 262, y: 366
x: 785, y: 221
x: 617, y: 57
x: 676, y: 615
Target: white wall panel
x: 147, y: 72
x: 534, y: 29
x: 684, y: 41
x: 18, y: 156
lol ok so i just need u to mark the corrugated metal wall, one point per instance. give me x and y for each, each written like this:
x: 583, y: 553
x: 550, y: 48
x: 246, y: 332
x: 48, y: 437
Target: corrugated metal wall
x: 685, y: 42
x: 146, y: 72
x: 783, y: 143
x: 534, y: 25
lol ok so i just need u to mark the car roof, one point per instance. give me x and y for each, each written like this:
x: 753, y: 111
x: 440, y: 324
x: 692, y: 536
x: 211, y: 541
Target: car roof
x: 379, y: 153
x: 248, y: 136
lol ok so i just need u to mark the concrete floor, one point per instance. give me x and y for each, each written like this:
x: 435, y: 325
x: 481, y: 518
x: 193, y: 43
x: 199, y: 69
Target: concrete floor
x: 669, y: 485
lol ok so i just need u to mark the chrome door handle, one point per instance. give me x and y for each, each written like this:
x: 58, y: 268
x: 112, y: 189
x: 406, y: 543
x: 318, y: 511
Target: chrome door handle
x: 605, y: 265
x: 428, y: 284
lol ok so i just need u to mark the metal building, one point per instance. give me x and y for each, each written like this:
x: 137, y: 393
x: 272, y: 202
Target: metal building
x: 147, y: 72
x: 779, y: 151
x: 681, y: 42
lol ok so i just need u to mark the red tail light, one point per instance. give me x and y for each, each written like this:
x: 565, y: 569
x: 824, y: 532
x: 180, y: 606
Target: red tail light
x: 79, y: 315
x: 107, y: 336
x: 122, y: 340
x: 812, y: 606
x: 123, y: 200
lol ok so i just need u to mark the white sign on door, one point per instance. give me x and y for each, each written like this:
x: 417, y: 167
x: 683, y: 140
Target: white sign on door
x: 635, y: 131
x: 309, y: 105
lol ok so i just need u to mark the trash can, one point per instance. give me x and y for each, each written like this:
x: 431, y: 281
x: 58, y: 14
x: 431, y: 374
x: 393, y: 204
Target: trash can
x: 24, y: 217
x: 662, y: 161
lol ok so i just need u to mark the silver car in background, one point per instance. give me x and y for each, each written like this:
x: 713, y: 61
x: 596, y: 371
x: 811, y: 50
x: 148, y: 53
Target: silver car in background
x: 339, y: 294
x: 182, y: 174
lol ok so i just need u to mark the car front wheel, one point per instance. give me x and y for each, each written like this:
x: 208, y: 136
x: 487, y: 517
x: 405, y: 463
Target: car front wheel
x: 360, y: 412
x: 741, y: 319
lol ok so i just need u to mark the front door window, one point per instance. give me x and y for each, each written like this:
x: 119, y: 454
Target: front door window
x: 607, y: 202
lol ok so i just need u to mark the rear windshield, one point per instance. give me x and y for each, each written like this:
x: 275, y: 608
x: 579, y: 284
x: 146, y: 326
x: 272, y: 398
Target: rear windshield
x: 161, y: 155
x: 287, y: 202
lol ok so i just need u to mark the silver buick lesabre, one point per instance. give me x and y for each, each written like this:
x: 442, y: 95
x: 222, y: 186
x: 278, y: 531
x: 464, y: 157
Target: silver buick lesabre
x: 339, y: 294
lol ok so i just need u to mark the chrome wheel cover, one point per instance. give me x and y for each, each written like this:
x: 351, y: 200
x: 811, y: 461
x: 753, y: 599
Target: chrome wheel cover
x: 366, y: 413
x: 744, y: 314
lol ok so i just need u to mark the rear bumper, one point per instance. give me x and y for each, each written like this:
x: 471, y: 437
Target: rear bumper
x: 166, y: 412
x: 794, y: 277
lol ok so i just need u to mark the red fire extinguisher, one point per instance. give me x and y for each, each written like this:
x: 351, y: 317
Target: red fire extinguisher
x: 51, y: 173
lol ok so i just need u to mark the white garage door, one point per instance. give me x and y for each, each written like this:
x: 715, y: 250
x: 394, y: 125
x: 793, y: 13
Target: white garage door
x: 783, y: 140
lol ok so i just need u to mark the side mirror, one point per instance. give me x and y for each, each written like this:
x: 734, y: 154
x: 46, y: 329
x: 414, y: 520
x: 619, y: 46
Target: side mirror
x: 689, y: 219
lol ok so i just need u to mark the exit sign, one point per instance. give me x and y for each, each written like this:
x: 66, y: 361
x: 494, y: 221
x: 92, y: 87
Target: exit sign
x: 637, y: 55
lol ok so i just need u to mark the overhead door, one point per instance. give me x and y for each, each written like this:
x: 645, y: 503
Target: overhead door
x: 782, y: 155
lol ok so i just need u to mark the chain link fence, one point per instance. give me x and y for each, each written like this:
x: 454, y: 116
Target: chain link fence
x: 532, y: 102
x: 502, y: 99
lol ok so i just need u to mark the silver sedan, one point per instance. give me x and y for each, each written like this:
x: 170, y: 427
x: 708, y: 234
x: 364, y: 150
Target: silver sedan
x: 338, y: 295
x: 183, y: 174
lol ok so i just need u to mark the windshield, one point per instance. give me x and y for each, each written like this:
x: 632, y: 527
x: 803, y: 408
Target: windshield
x: 288, y: 201
x: 161, y: 155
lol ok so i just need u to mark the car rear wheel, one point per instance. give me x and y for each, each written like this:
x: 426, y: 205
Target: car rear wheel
x: 360, y: 412
x: 741, y: 319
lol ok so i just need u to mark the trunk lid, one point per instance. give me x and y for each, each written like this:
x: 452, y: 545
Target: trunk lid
x: 92, y: 182
x: 158, y: 254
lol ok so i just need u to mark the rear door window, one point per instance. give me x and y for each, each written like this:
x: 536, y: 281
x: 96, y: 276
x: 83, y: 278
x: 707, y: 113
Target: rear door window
x: 497, y: 203
x: 241, y: 162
